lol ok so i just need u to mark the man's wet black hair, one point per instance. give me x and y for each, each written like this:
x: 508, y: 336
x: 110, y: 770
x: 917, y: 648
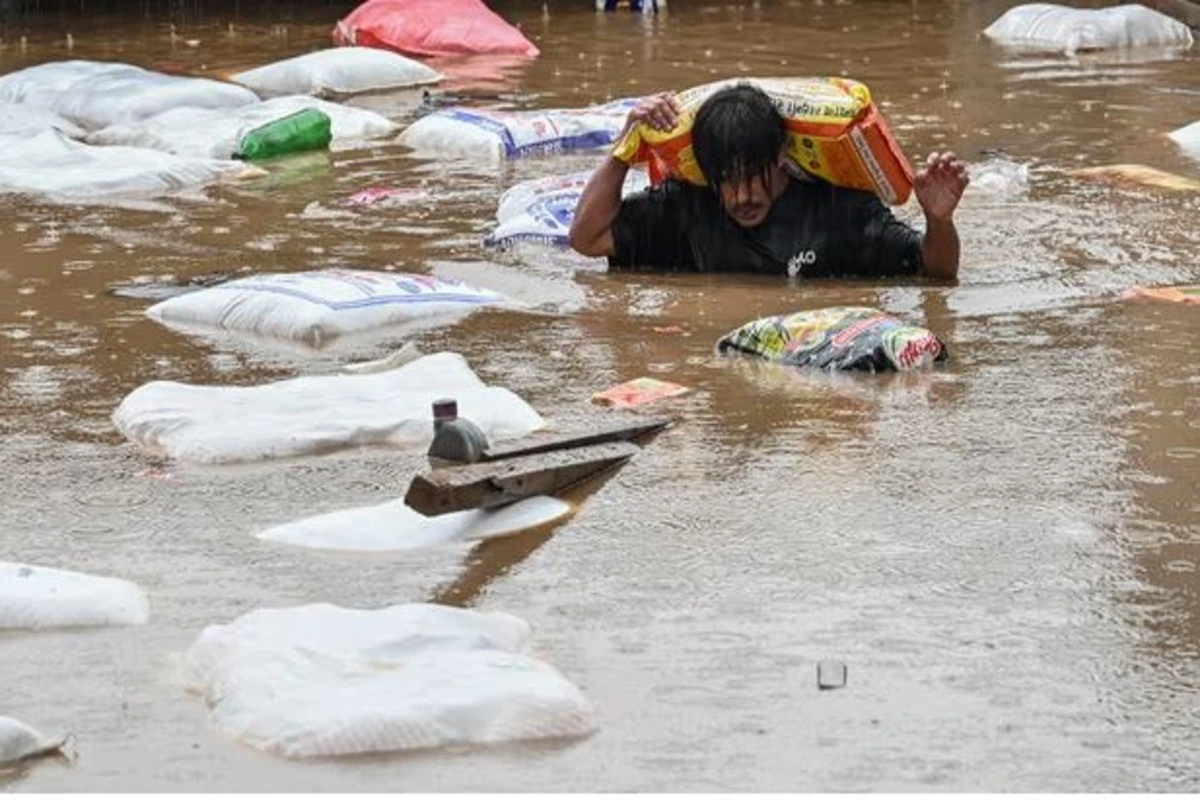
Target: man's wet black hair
x: 737, y: 134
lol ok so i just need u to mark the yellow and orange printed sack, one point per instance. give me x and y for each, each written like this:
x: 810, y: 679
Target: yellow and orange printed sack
x: 835, y: 132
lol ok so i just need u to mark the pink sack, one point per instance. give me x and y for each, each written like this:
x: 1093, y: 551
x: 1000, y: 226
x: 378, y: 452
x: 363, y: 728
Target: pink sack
x: 431, y: 28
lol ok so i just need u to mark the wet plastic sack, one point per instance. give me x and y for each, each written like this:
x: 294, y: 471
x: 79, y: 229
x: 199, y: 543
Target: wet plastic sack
x: 541, y: 211
x: 337, y: 72
x: 42, y: 85
x: 20, y: 120
x: 132, y: 94
x: 1188, y: 139
x: 222, y: 133
x: 33, y: 598
x: 395, y: 526
x: 320, y: 680
x: 834, y: 130
x: 19, y: 741
x: 317, y: 307
x: 841, y: 338
x: 431, y: 28
x: 55, y: 168
x: 1048, y: 27
x: 315, y: 414
x: 494, y: 135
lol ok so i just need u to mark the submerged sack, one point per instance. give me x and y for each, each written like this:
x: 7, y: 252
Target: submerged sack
x: 33, y: 597
x: 335, y: 72
x: 834, y: 132
x: 1055, y: 28
x: 431, y: 28
x: 845, y: 338
x: 320, y: 680
x: 19, y: 741
x: 1188, y: 138
x: 50, y: 166
x: 320, y: 306
x: 1187, y: 295
x: 316, y: 414
x: 21, y: 120
x: 222, y: 133
x: 395, y: 526
x: 496, y: 135
x: 542, y: 210
x: 40, y: 86
x: 131, y: 94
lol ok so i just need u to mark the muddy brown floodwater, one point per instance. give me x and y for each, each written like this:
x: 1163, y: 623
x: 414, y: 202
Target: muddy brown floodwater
x: 1004, y: 552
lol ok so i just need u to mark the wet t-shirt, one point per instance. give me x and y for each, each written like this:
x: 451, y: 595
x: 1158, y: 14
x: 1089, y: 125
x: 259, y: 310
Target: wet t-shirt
x: 814, y: 230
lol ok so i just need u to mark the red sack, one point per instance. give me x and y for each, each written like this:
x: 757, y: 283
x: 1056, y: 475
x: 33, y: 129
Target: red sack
x: 431, y: 28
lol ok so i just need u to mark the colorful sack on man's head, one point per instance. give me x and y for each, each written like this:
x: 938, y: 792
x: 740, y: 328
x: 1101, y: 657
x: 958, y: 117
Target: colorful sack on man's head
x: 834, y: 132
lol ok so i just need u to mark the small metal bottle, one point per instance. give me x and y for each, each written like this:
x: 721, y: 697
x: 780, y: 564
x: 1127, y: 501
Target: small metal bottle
x: 455, y: 440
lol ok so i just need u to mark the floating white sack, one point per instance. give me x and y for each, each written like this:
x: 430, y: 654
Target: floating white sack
x: 34, y: 597
x: 42, y: 85
x: 395, y: 526
x: 111, y: 97
x: 218, y: 133
x: 21, y: 120
x: 493, y: 135
x: 1055, y: 28
x: 542, y: 210
x: 337, y: 71
x: 315, y: 414
x: 320, y: 680
x: 19, y: 741
x: 1188, y: 138
x: 51, y: 166
x: 318, y: 307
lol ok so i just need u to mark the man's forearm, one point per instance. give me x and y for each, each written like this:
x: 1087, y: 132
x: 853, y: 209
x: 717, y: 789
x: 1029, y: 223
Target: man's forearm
x: 940, y: 249
x: 591, y: 229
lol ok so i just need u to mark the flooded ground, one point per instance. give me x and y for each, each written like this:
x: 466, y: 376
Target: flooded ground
x: 1004, y: 552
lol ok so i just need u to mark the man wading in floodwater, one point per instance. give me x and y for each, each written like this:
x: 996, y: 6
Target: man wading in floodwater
x: 762, y: 218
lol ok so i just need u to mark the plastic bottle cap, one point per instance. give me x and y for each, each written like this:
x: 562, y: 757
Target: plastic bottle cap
x: 445, y: 410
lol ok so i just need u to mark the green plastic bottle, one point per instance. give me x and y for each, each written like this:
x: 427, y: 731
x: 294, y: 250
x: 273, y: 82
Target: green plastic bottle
x: 307, y: 129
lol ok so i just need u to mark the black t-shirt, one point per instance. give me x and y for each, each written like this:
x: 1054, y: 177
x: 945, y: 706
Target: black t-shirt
x: 814, y: 229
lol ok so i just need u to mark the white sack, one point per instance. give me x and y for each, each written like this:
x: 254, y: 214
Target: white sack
x: 19, y: 741
x: 318, y: 307
x: 315, y: 414
x: 1188, y: 138
x: 492, y: 135
x: 395, y: 526
x: 33, y: 597
x: 42, y: 85
x: 112, y: 97
x: 337, y: 71
x: 1055, y: 28
x: 320, y: 680
x: 542, y: 210
x: 48, y: 165
x: 218, y: 133
x: 21, y: 120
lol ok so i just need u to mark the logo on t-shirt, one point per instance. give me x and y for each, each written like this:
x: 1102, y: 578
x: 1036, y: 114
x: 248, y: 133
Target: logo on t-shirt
x: 800, y: 260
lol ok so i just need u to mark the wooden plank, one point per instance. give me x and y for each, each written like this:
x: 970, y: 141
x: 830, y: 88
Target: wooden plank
x: 624, y: 430
x: 491, y: 484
